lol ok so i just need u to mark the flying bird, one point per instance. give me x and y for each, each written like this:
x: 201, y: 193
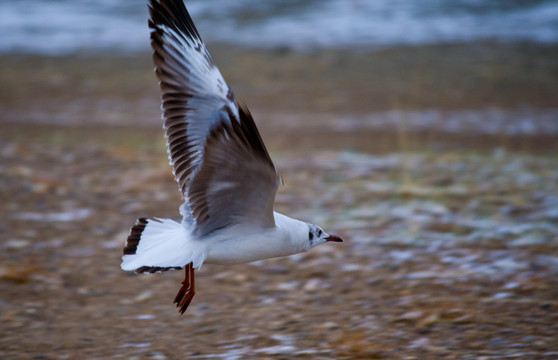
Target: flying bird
x: 224, y: 172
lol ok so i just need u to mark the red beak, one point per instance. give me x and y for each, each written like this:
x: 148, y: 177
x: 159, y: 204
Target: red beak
x: 334, y: 238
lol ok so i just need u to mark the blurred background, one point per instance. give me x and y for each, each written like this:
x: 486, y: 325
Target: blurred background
x: 425, y: 133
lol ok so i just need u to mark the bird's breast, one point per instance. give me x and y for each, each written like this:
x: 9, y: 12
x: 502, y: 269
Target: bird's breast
x: 247, y: 248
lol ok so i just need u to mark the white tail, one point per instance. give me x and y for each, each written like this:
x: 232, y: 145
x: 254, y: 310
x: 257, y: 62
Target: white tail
x: 159, y: 245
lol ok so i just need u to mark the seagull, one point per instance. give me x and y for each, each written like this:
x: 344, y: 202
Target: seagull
x: 224, y: 172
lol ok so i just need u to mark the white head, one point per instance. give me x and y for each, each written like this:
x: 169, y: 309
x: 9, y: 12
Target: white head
x: 317, y: 236
x: 302, y: 235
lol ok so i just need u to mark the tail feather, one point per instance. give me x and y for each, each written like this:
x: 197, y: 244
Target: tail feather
x: 158, y: 245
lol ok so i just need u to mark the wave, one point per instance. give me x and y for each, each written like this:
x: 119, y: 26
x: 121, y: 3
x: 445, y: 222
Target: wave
x: 67, y: 26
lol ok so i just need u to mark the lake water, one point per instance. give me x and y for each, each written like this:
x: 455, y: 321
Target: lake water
x: 67, y: 26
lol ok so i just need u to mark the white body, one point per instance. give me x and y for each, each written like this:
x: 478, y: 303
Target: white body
x: 171, y: 244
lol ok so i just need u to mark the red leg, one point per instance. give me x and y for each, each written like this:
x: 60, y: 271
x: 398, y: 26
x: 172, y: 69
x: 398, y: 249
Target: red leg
x: 187, y: 291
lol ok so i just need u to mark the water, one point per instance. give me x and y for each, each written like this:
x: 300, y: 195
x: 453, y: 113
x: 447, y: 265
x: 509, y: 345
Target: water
x: 66, y: 26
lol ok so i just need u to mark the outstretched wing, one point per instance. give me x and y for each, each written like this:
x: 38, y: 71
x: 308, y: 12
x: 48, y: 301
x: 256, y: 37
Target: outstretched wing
x: 194, y: 95
x: 218, y: 157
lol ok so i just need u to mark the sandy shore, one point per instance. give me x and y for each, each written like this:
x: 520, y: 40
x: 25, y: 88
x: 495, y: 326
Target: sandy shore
x: 449, y: 254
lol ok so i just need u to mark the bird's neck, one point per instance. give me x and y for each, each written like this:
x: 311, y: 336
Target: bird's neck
x: 293, y: 231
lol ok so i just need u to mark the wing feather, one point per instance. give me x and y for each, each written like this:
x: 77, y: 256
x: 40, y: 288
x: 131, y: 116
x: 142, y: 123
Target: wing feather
x: 219, y: 159
x: 237, y: 181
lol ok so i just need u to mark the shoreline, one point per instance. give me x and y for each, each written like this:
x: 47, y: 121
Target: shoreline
x: 462, y: 96
x: 452, y: 76
x: 381, y: 140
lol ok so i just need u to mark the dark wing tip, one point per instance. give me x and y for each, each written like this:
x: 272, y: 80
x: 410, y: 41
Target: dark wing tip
x: 135, y: 236
x: 172, y: 13
x: 155, y: 269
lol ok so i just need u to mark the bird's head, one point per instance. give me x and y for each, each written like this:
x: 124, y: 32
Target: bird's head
x: 317, y: 236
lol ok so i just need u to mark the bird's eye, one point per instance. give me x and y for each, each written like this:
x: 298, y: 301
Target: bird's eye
x: 310, y: 235
x: 319, y: 232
